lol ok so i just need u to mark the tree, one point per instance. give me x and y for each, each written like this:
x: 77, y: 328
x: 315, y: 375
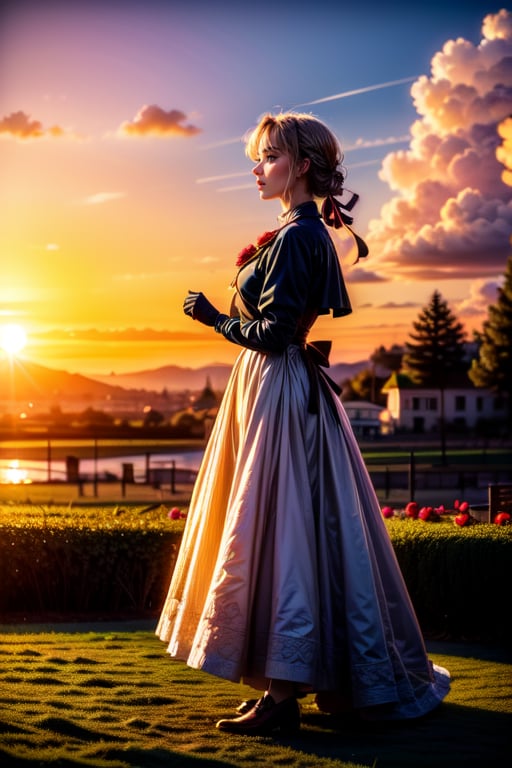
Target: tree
x: 92, y: 418
x: 365, y: 385
x: 388, y: 359
x: 493, y: 367
x: 437, y: 346
x: 153, y: 418
x: 436, y: 350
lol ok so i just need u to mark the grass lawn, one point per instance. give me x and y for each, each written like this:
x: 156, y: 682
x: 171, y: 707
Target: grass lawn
x: 108, y: 695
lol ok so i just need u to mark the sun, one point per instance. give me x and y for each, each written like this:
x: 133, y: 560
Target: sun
x: 12, y: 338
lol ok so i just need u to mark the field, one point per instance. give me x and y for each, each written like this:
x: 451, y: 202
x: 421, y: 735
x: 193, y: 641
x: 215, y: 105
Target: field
x: 108, y: 696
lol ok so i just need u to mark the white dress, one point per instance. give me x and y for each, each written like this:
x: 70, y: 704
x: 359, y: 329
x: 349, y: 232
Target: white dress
x: 286, y: 569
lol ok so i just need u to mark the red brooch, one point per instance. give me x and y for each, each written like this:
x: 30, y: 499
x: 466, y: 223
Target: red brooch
x: 251, y: 250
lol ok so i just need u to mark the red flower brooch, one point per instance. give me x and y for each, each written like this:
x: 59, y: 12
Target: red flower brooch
x: 251, y: 250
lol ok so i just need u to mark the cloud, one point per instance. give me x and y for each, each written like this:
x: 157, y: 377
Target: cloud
x: 223, y: 177
x: 20, y: 126
x: 114, y: 334
x: 451, y: 215
x: 103, y: 197
x: 370, y: 143
x: 396, y: 305
x: 482, y: 293
x: 236, y: 187
x: 504, y: 151
x: 208, y: 260
x: 155, y: 121
x: 358, y: 275
x: 223, y: 143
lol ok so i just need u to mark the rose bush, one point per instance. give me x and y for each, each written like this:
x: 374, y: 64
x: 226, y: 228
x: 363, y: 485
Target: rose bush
x: 460, y: 512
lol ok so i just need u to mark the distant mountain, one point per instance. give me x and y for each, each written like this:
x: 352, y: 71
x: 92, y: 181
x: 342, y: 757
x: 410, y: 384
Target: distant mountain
x: 175, y: 377
x: 172, y: 377
x: 342, y: 371
x: 27, y: 381
x: 23, y: 380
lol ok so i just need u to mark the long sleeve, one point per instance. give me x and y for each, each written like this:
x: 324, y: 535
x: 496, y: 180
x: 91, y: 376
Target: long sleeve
x: 285, y: 295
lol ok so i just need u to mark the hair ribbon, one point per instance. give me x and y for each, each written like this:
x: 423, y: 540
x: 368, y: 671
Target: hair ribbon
x: 335, y: 215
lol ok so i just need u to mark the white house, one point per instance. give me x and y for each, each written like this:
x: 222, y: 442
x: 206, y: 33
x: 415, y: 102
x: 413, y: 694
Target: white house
x: 365, y: 417
x: 418, y: 409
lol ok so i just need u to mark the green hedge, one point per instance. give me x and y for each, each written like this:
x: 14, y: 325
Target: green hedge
x: 79, y: 561
x: 85, y: 561
x: 458, y: 578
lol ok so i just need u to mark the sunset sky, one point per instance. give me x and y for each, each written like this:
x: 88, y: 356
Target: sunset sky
x: 124, y: 182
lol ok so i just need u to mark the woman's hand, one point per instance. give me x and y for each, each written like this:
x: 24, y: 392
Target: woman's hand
x: 197, y: 306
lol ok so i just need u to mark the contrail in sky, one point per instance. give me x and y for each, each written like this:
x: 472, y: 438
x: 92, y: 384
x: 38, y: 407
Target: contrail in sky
x: 360, y: 144
x: 207, y: 179
x: 343, y: 95
x: 357, y: 91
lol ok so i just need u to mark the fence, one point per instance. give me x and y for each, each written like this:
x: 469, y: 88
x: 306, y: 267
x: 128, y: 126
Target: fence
x: 408, y: 478
x: 156, y: 472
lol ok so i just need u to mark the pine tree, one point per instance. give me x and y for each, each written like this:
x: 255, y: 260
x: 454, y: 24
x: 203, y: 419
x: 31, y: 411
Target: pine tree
x: 436, y: 351
x: 493, y: 368
x: 437, y: 346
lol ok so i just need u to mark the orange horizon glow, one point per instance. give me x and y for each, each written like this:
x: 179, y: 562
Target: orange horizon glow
x: 102, y: 353
x: 121, y: 193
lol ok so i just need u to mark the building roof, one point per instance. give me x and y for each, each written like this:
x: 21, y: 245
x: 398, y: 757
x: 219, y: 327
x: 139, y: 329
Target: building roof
x: 351, y: 406
x: 398, y: 381
x: 454, y: 380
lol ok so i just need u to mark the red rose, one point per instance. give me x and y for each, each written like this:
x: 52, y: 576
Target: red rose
x: 388, y: 511
x: 266, y: 237
x: 247, y: 253
x: 251, y: 250
x: 461, y: 519
x: 174, y: 513
x: 502, y: 518
x: 425, y: 513
x: 412, y: 509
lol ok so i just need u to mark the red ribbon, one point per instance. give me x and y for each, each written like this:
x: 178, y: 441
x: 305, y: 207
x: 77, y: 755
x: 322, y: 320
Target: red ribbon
x: 334, y: 214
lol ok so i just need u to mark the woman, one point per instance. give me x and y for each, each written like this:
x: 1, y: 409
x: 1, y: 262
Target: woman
x: 286, y: 577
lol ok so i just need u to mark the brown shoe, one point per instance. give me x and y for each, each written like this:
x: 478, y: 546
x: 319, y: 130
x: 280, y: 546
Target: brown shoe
x: 245, y: 706
x: 265, y: 717
x: 248, y: 704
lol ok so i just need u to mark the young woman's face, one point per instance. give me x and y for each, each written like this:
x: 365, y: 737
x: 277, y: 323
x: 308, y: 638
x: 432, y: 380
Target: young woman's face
x: 272, y: 173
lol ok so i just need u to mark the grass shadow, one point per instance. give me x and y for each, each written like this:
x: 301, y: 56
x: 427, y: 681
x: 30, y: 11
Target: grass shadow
x: 452, y: 736
x: 116, y: 700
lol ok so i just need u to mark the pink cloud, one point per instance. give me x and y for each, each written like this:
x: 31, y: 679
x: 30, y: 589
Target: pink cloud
x: 504, y: 151
x: 482, y: 293
x: 19, y: 125
x: 451, y: 214
x: 357, y: 275
x: 155, y: 121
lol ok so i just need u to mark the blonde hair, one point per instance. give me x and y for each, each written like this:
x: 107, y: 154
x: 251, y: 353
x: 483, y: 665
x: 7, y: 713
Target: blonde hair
x: 301, y: 136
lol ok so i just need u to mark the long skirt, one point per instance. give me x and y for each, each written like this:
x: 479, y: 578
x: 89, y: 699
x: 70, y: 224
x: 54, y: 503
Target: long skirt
x: 286, y: 570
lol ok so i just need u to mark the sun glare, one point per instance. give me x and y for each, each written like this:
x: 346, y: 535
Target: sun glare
x: 14, y: 474
x: 12, y: 338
